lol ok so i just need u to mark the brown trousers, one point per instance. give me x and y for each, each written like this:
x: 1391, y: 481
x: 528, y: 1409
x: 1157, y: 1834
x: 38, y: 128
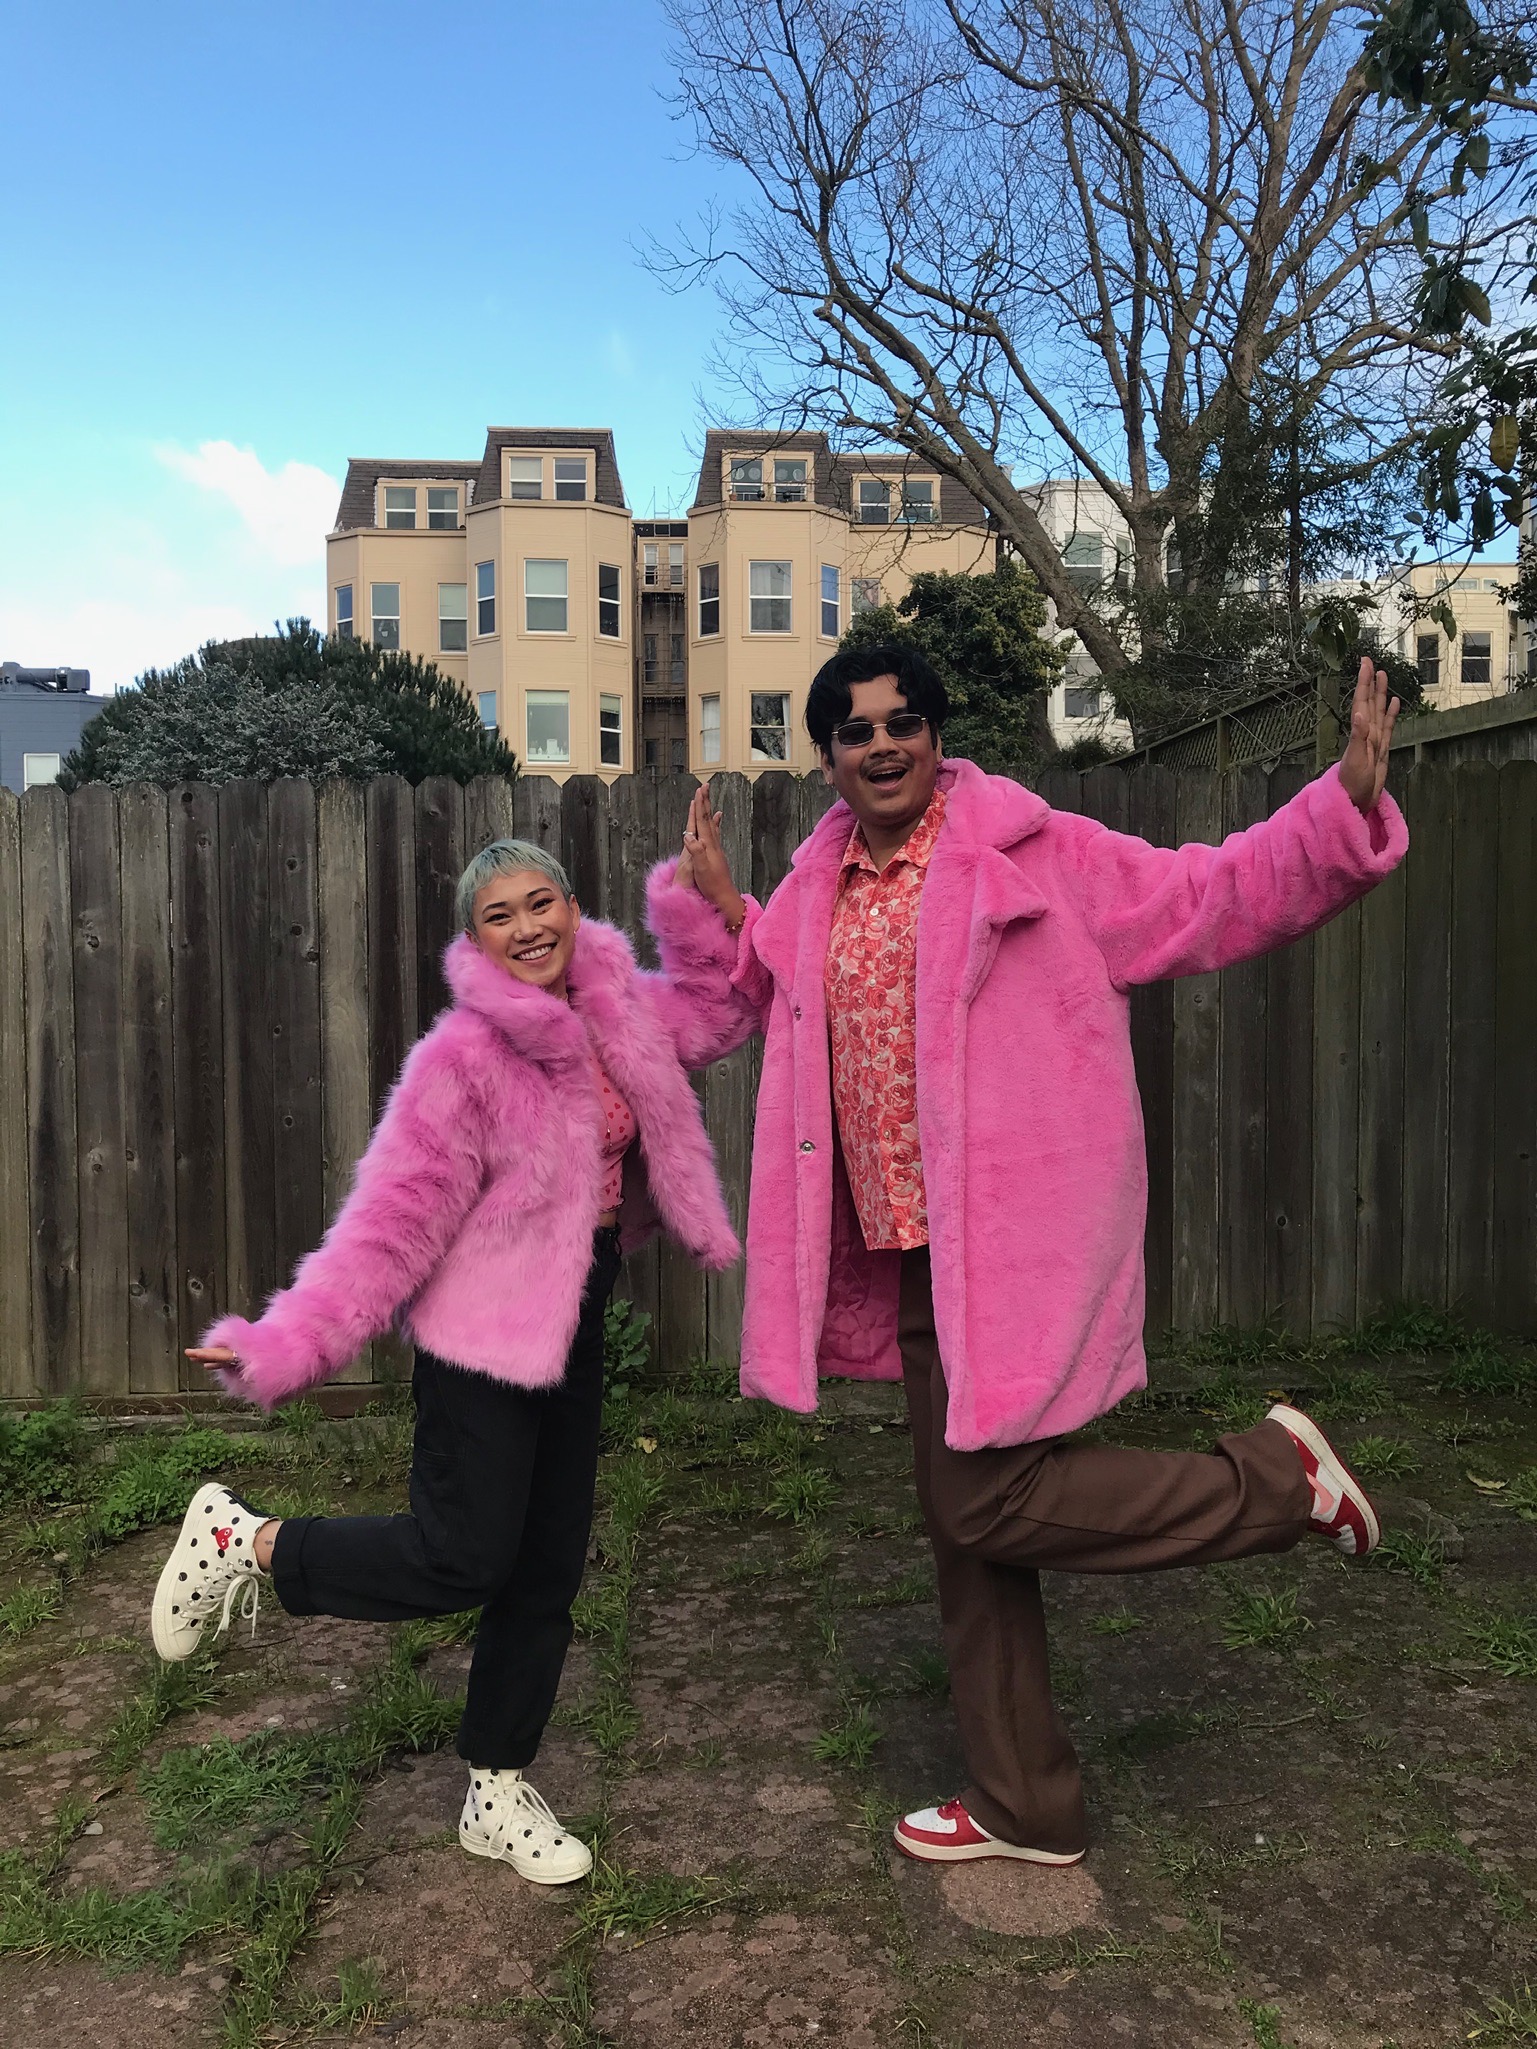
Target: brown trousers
x: 996, y: 1517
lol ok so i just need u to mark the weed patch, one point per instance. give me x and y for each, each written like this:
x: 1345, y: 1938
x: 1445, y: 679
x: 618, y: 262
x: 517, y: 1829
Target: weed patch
x: 1508, y: 2020
x: 167, y: 1690
x: 1257, y: 1619
x: 801, y: 1494
x: 620, y: 1902
x: 1506, y: 1645
x: 41, y: 1452
x: 1384, y: 1458
x: 928, y: 1673
x: 850, y: 1742
x: 1120, y: 1622
x: 916, y: 1584
x: 211, y: 1788
x: 1419, y: 1558
x: 27, y: 1607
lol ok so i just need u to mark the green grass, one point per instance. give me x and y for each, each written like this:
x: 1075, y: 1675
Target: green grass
x: 1383, y: 1458
x: 801, y: 1494
x: 359, y: 2002
x: 1521, y: 1495
x: 1120, y: 1622
x: 1254, y: 1620
x: 27, y: 1607
x: 166, y: 1690
x: 850, y: 1742
x: 1506, y: 1644
x: 1483, y: 1367
x: 1264, y: 2023
x: 620, y: 1902
x: 205, y: 1791
x: 626, y: 1342
x: 1419, y: 1558
x: 1352, y: 1397
x: 1507, y: 2021
x: 41, y: 1455
x: 928, y: 1672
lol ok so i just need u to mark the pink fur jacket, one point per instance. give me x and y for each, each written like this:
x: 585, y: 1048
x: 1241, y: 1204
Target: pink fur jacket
x: 1034, y: 924
x: 471, y: 1216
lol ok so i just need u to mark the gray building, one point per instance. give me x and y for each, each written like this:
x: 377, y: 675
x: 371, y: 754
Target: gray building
x: 42, y: 712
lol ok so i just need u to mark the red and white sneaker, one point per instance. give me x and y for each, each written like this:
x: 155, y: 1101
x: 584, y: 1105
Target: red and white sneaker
x: 949, y: 1835
x: 1341, y: 1509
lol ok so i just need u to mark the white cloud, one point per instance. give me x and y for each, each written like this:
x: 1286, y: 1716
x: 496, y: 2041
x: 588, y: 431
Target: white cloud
x: 118, y: 640
x: 286, y: 512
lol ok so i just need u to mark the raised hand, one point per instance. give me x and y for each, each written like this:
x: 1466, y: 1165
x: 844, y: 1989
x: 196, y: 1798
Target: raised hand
x: 703, y: 864
x: 1373, y: 713
x: 216, y: 1359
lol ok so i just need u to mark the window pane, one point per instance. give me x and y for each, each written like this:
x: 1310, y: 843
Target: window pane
x: 549, y: 725
x: 709, y: 730
x: 675, y: 565
x: 709, y: 599
x: 570, y: 479
x: 770, y: 726
x: 1427, y: 650
x: 1476, y: 662
x: 610, y: 732
x: 38, y: 769
x: 485, y: 597
x: 608, y: 599
x: 442, y: 508
x: 453, y: 618
x: 747, y: 479
x: 918, y: 501
x: 344, y: 611
x: 1081, y: 701
x: 649, y: 557
x: 486, y: 699
x: 384, y: 604
x: 525, y: 476
x: 830, y: 606
x: 545, y: 587
x: 867, y: 594
x: 400, y: 505
x: 769, y: 597
x: 789, y: 480
x: 874, y: 501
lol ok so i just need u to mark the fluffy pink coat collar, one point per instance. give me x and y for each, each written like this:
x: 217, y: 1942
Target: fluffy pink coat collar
x: 542, y: 1027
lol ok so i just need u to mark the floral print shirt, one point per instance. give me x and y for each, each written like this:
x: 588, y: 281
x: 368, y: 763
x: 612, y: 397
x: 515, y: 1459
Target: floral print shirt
x: 871, y: 978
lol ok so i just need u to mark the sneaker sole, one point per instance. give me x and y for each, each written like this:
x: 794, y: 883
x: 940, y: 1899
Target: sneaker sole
x: 483, y: 1849
x: 1304, y: 1427
x: 970, y: 1852
x: 167, y: 1635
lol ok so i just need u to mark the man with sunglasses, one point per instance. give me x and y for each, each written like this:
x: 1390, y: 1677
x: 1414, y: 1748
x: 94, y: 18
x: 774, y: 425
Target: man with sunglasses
x: 949, y: 1180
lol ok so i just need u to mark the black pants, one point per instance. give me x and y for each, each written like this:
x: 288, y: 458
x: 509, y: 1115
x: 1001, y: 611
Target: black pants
x: 502, y: 1483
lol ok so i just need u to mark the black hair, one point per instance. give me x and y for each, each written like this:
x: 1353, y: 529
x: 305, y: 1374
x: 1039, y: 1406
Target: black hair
x: 828, y: 702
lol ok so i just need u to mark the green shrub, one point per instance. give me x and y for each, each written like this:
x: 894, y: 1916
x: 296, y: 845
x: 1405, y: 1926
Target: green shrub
x: 40, y: 1455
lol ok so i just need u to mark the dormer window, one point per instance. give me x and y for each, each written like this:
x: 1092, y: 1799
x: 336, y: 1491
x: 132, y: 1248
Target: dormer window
x: 571, y: 479
x: 918, y: 506
x: 789, y: 480
x: 747, y: 480
x: 442, y: 507
x: 400, y: 506
x: 874, y: 501
x: 525, y: 476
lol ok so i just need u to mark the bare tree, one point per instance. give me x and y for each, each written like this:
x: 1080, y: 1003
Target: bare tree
x: 1132, y: 243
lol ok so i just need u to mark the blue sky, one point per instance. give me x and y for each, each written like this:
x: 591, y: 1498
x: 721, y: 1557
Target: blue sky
x: 240, y: 244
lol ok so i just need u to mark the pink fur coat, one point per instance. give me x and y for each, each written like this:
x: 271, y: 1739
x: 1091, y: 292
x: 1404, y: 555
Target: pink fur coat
x: 1034, y: 924
x: 471, y: 1216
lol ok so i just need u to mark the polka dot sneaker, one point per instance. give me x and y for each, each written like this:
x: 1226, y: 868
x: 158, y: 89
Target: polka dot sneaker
x: 504, y: 1817
x: 211, y: 1569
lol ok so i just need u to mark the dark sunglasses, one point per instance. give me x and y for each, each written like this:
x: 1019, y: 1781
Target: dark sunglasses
x: 902, y: 725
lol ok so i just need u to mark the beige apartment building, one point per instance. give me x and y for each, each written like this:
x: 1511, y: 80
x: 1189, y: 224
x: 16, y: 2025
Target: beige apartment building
x: 1483, y: 657
x: 598, y: 643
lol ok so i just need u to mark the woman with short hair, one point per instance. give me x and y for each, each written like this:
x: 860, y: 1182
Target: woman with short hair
x: 543, y: 1127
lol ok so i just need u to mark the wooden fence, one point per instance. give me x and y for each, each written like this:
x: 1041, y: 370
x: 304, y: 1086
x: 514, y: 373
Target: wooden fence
x: 204, y: 994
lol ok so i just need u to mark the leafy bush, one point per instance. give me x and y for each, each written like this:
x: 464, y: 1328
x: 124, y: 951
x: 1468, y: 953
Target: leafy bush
x: 40, y: 1454
x: 626, y: 1343
x: 150, y: 1479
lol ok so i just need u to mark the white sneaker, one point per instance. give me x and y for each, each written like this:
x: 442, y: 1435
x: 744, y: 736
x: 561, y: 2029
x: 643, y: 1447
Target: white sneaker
x: 504, y: 1817
x: 211, y: 1567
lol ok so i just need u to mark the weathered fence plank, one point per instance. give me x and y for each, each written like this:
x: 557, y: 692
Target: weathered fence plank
x: 197, y: 1014
x: 149, y: 1091
x: 1380, y: 1138
x: 246, y: 919
x: 51, y: 1133
x: 1336, y: 1117
x: 346, y: 1100
x: 1515, y: 1054
x: 729, y: 1086
x: 16, y: 1369
x: 536, y: 811
x: 1474, y: 991
x: 440, y: 859
x: 298, y: 1169
x: 1242, y: 1120
x: 1288, y: 1189
x: 391, y: 827
x: 681, y: 1320
x: 96, y: 907
x: 1427, y: 992
x: 488, y: 812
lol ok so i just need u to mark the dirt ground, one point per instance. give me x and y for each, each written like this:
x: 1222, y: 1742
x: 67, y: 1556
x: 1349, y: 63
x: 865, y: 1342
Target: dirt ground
x: 1313, y: 1805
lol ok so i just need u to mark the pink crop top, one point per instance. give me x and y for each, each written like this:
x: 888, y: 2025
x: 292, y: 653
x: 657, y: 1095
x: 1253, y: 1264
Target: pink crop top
x: 618, y: 1137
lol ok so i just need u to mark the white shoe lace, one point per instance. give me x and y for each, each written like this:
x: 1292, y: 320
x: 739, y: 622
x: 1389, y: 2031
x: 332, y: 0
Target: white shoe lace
x: 520, y: 1802
x: 242, y: 1593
